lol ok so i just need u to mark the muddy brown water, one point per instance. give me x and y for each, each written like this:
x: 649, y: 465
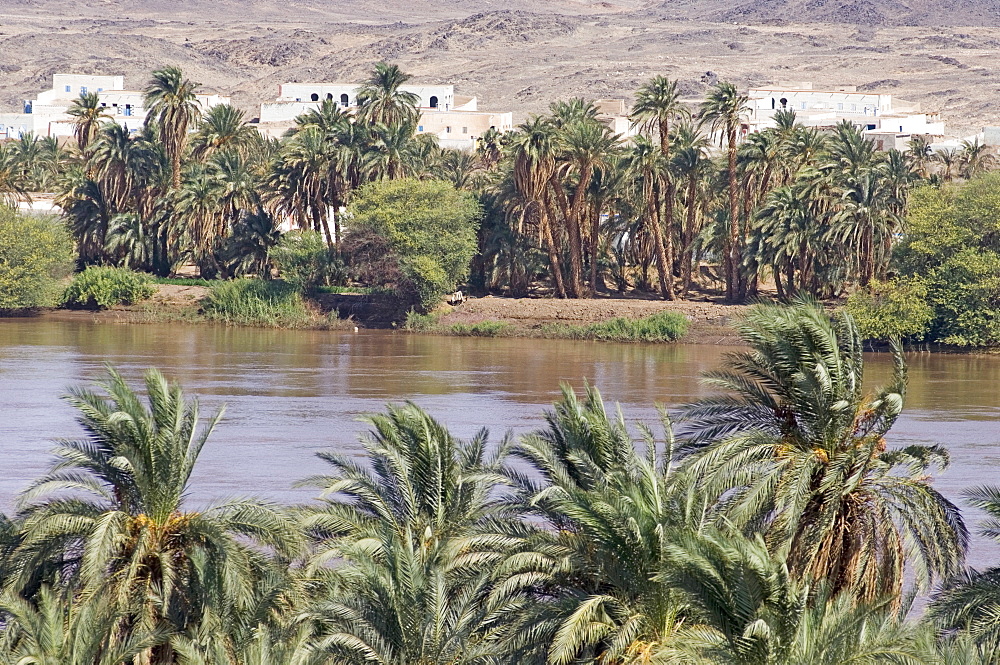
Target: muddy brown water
x: 289, y: 394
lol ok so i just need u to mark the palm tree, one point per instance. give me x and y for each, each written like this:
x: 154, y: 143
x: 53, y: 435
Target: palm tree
x: 975, y: 159
x: 948, y: 158
x: 605, y: 512
x: 692, y: 165
x: 794, y: 444
x: 968, y: 603
x: 111, y: 512
x: 650, y: 169
x: 222, y: 127
x: 299, y: 182
x: 173, y: 109
x: 410, y: 527
x: 382, y: 101
x: 724, y: 110
x: 921, y: 154
x: 533, y: 150
x: 585, y: 146
x: 866, y: 223
x: 88, y: 114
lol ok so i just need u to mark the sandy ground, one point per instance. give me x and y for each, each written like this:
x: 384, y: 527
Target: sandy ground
x: 519, y: 55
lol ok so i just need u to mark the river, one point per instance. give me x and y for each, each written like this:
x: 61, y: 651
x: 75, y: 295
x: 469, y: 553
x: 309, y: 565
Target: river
x: 289, y: 394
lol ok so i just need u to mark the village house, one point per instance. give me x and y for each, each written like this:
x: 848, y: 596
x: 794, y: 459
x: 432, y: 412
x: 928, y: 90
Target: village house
x: 454, y: 119
x: 889, y: 123
x: 46, y: 115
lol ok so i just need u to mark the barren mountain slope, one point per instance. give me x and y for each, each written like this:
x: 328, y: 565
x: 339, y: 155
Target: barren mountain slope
x: 511, y: 59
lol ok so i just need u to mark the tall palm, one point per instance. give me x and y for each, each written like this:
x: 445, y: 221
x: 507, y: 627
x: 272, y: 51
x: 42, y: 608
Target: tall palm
x: 866, y: 223
x: 87, y: 114
x: 921, y: 154
x: 691, y: 164
x: 533, y: 149
x: 724, y: 110
x: 975, y: 159
x: 949, y: 160
x: 111, y: 511
x: 794, y: 444
x: 381, y: 100
x: 650, y: 169
x: 585, y: 146
x: 173, y: 109
x: 299, y: 182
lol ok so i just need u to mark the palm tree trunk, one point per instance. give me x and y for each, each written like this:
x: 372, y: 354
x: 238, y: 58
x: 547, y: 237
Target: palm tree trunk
x: 575, y: 238
x: 733, y: 251
x: 688, y: 240
x: 554, y: 264
x: 595, y: 230
x: 655, y: 229
x: 668, y: 237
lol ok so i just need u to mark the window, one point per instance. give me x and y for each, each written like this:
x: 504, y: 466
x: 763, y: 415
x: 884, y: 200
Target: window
x: 329, y: 95
x: 840, y: 107
x: 803, y: 106
x: 83, y: 90
x: 434, y: 102
x: 69, y: 88
x: 465, y: 130
x: 344, y: 99
x: 854, y: 107
x: 420, y: 128
x: 314, y: 97
x: 447, y: 130
x: 100, y: 90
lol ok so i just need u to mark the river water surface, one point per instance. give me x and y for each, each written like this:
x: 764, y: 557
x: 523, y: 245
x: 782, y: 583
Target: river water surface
x: 289, y: 394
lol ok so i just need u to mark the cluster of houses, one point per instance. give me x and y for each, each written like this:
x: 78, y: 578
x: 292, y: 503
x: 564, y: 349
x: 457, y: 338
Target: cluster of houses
x: 457, y: 122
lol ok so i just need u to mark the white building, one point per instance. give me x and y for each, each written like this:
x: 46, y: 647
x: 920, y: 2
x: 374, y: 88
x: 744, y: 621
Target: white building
x: 455, y: 119
x: 46, y: 115
x: 890, y: 123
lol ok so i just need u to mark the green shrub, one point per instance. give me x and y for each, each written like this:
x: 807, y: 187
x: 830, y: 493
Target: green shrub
x: 482, y: 329
x: 417, y: 322
x: 257, y: 302
x: 303, y: 258
x: 101, y: 287
x: 660, y: 327
x: 186, y: 281
x: 36, y: 253
x: 417, y: 235
x: 897, y: 308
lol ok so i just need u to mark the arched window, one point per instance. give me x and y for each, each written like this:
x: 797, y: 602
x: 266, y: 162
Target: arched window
x: 344, y: 100
x: 314, y: 97
x: 772, y: 103
x: 434, y: 102
x: 329, y: 95
x: 784, y: 103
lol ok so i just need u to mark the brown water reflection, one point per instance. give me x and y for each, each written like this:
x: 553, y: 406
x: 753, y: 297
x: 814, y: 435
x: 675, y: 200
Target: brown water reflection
x: 290, y: 393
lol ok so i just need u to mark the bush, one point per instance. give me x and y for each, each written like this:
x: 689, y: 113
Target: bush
x: 661, y: 327
x: 100, y: 287
x: 36, y: 253
x: 303, y: 259
x: 417, y: 322
x: 897, y: 308
x: 482, y: 329
x: 418, y: 235
x: 258, y: 302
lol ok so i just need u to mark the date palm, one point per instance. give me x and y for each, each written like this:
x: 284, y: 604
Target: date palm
x: 404, y: 544
x: 382, y: 101
x: 975, y: 159
x: 112, y: 512
x: 795, y: 445
x: 87, y: 114
x: 691, y: 164
x: 724, y: 110
x: 173, y: 109
x: 223, y: 127
x: 650, y: 171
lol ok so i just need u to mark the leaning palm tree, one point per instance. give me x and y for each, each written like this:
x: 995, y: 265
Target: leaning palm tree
x: 975, y: 159
x: 111, y: 514
x: 724, y: 110
x: 88, y: 114
x: 381, y: 100
x: 795, y: 445
x: 173, y: 109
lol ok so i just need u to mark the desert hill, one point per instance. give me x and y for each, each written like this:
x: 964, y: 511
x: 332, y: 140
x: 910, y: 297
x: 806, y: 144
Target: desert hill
x: 519, y: 54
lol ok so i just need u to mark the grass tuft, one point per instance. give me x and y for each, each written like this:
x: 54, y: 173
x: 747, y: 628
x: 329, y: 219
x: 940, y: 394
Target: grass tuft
x: 257, y: 302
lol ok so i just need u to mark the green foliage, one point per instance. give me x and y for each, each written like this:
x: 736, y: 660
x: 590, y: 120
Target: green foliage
x: 952, y: 246
x: 661, y: 327
x: 482, y: 329
x: 101, y: 287
x: 417, y: 322
x: 304, y: 259
x: 427, y: 227
x: 35, y: 254
x: 893, y: 309
x: 257, y: 302
x: 187, y: 281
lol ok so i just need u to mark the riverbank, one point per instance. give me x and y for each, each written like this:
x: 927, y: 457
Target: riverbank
x: 706, y: 322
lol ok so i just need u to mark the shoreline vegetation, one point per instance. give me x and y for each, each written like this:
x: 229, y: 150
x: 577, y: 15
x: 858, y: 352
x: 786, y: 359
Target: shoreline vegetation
x: 777, y: 523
